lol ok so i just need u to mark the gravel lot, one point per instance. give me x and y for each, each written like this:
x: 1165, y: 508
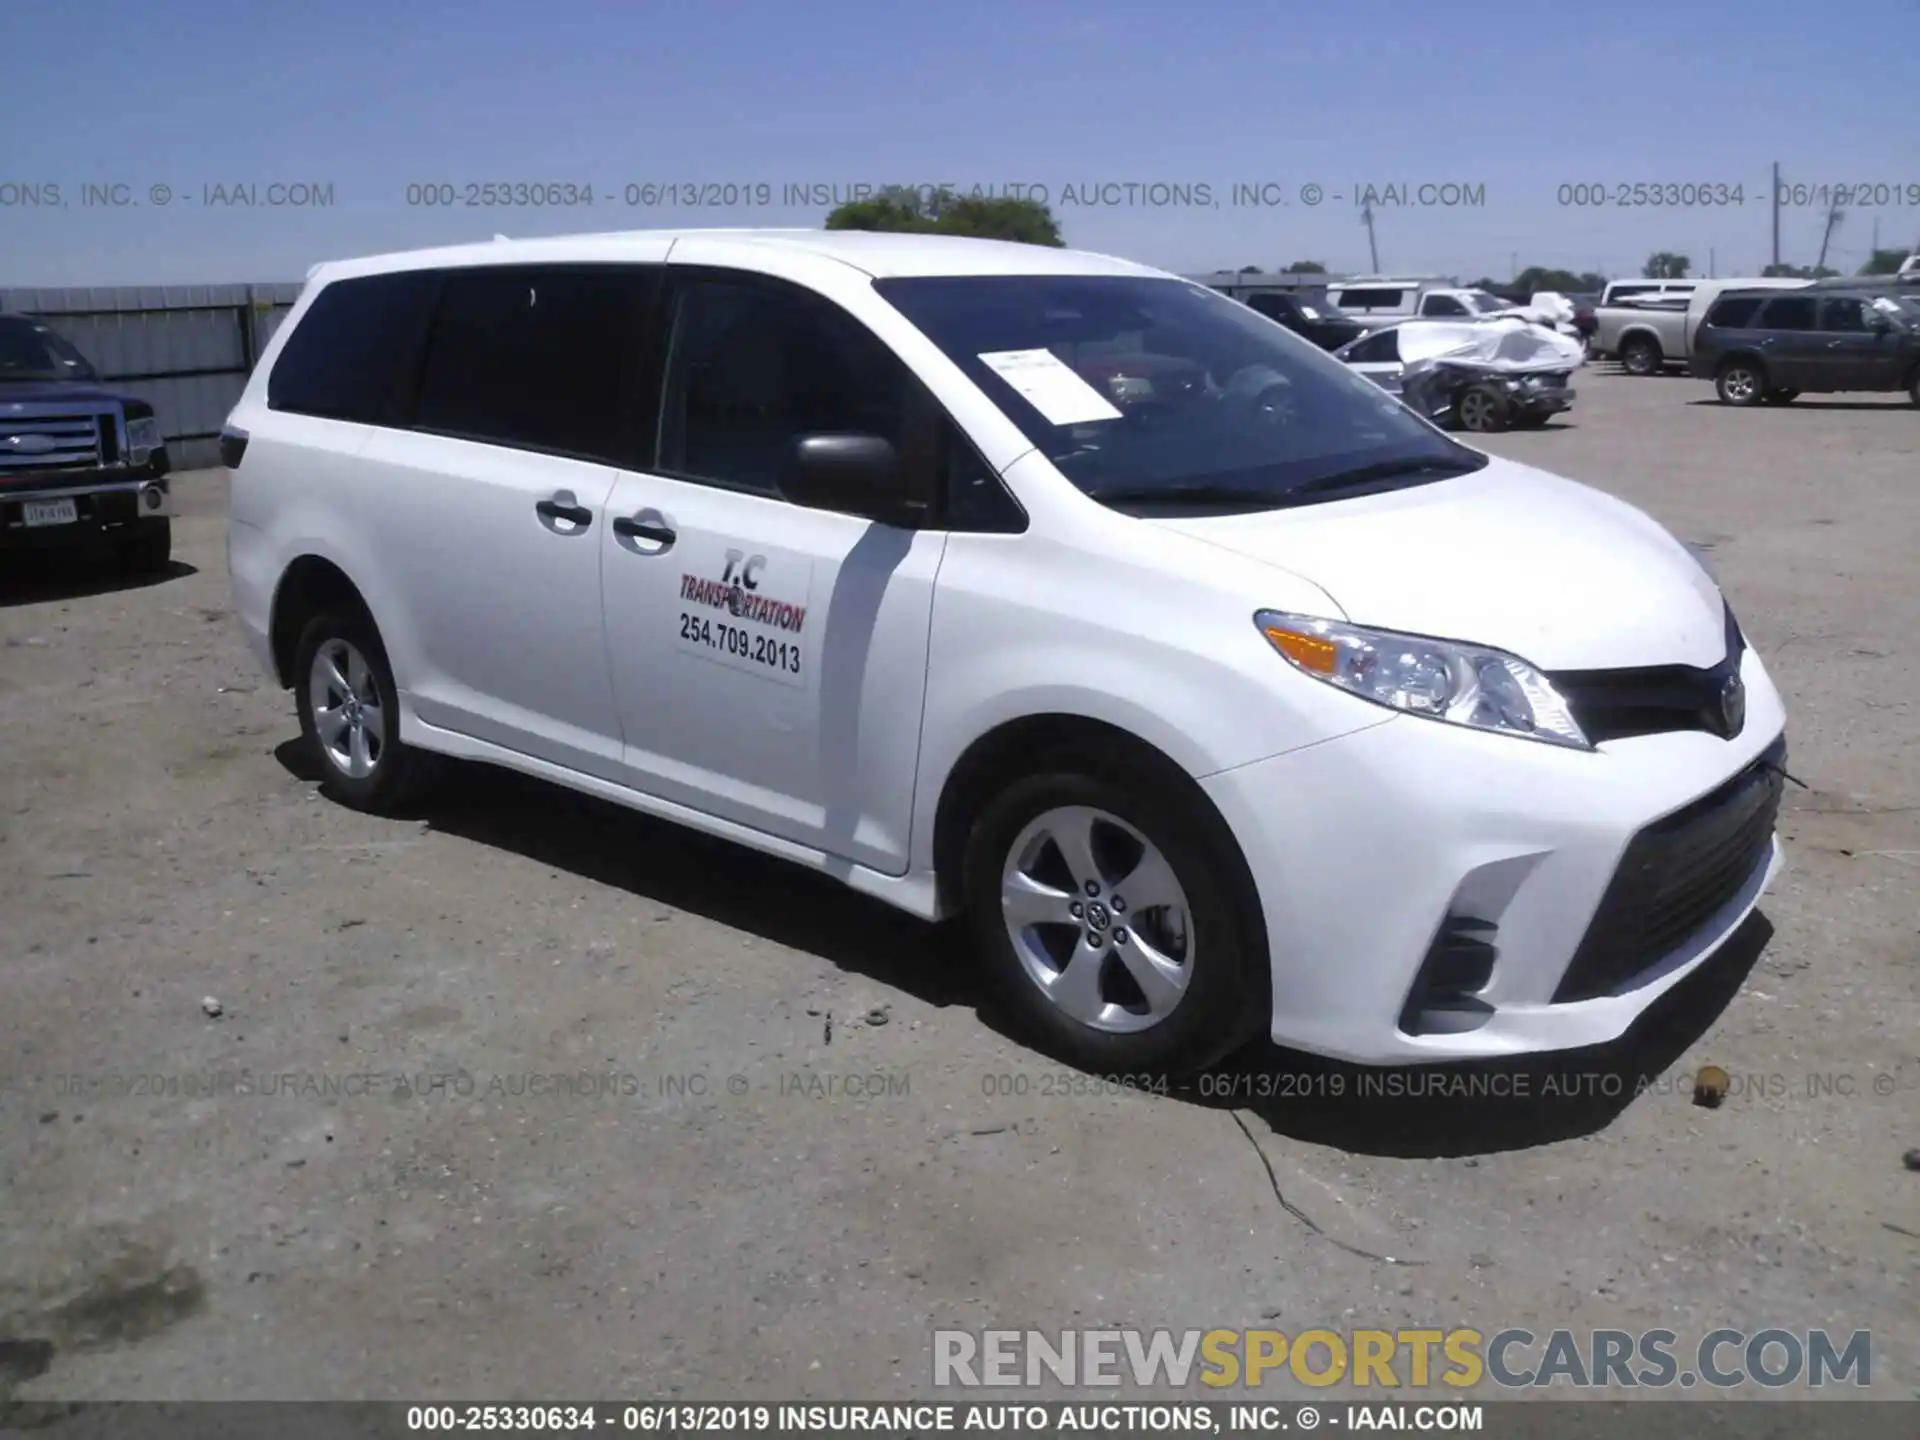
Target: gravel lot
x: 732, y: 1219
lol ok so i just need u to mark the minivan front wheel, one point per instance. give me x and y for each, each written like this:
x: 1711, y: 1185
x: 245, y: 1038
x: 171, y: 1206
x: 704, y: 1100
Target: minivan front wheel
x: 1741, y: 383
x: 1104, y: 912
x: 350, y: 715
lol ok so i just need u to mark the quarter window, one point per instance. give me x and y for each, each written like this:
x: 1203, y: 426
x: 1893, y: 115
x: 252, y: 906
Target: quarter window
x: 1734, y: 313
x: 354, y: 348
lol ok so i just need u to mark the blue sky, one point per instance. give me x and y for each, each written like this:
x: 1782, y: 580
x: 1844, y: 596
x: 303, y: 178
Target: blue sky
x: 367, y: 98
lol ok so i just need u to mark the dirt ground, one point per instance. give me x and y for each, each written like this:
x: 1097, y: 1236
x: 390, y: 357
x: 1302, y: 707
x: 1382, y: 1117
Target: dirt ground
x: 531, y: 1098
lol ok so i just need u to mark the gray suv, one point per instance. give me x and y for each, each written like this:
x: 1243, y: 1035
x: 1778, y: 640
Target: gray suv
x: 1766, y: 347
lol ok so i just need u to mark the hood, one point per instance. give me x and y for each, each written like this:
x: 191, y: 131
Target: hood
x: 1554, y: 571
x: 39, y: 392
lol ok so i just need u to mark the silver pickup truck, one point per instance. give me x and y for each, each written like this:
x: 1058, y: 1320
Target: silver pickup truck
x: 1650, y: 327
x: 79, y: 463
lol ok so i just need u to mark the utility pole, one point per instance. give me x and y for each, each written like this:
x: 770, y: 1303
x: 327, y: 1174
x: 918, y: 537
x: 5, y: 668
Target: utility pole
x: 1834, y: 217
x: 1713, y: 270
x: 1776, y: 212
x: 1373, y: 249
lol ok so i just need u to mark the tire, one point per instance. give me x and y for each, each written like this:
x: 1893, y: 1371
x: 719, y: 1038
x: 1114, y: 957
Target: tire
x: 1781, y: 397
x: 1913, y: 389
x: 1741, y: 382
x: 1482, y: 410
x: 376, y: 773
x: 1641, y: 355
x: 1208, y: 1002
x: 147, y: 550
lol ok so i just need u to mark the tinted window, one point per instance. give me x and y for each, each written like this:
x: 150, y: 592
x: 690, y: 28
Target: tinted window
x: 1370, y: 299
x: 1735, y: 312
x: 355, y: 346
x: 1838, y: 313
x: 754, y: 366
x: 30, y: 350
x: 1378, y: 349
x: 1626, y: 292
x: 535, y: 357
x: 1442, y: 305
x: 1152, y: 394
x: 1792, y: 312
x: 1274, y: 307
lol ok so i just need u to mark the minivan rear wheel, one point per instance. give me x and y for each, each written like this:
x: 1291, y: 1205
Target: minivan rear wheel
x: 1105, y: 913
x: 349, y: 708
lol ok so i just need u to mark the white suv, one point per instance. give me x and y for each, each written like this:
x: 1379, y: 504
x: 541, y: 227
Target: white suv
x: 1027, y: 586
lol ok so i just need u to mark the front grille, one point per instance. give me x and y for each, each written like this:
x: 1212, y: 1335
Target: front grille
x: 1676, y: 875
x: 1654, y: 699
x: 49, y: 442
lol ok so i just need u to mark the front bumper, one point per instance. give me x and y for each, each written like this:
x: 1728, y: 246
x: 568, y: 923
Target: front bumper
x: 102, y: 503
x: 1365, y: 849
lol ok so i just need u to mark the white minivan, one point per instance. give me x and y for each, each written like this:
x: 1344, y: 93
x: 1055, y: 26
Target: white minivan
x: 1214, y: 691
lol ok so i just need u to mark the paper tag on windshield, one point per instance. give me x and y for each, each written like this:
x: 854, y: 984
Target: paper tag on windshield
x: 1050, y: 386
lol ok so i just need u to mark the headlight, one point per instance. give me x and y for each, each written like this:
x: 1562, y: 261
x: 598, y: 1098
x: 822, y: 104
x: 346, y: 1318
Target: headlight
x: 143, y: 434
x: 1471, y: 685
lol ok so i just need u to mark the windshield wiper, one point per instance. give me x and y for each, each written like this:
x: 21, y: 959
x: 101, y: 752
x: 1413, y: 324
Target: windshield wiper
x: 1383, y: 470
x: 1225, y: 495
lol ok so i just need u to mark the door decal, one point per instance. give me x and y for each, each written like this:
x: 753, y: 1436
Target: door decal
x: 747, y: 616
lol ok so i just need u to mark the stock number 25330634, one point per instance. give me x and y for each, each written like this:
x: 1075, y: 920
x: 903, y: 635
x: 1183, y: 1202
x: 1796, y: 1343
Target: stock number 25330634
x: 743, y: 644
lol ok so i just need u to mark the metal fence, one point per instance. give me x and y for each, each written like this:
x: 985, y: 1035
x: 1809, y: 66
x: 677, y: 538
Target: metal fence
x: 185, y: 349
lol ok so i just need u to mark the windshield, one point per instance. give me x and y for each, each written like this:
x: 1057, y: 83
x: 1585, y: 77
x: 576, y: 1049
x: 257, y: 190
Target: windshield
x: 30, y: 351
x: 1142, y: 390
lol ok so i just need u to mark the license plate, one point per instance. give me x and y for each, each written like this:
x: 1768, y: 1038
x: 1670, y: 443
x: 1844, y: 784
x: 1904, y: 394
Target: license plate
x: 49, y: 512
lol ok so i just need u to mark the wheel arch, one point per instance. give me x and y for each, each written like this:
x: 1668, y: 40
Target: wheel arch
x: 1022, y: 746
x: 307, y: 586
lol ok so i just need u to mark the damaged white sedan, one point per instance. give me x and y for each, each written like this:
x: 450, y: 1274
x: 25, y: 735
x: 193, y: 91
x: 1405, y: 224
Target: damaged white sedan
x: 1477, y: 375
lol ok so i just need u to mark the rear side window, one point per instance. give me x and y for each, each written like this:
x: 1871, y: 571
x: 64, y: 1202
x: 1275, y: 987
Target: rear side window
x: 1370, y: 299
x: 535, y: 357
x: 1736, y: 312
x: 355, y: 346
x: 1381, y: 349
x: 1794, y: 312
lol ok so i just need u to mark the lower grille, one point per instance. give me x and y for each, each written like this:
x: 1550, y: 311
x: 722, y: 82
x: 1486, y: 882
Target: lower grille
x: 1677, y: 874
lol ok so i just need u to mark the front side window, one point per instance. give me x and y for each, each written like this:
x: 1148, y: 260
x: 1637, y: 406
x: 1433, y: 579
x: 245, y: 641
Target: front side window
x: 535, y: 357
x: 1442, y: 305
x: 1844, y: 313
x: 753, y: 366
x: 1148, y: 392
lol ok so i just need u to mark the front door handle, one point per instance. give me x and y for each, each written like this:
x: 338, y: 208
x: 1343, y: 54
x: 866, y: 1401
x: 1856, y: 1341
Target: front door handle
x: 564, y: 510
x: 633, y: 528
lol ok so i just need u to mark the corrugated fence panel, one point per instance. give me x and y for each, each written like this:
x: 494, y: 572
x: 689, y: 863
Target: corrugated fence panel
x: 182, y: 348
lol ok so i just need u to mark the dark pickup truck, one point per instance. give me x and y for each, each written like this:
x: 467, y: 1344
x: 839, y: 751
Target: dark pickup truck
x: 78, y: 462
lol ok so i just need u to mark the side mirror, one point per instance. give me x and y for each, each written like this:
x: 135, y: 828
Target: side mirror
x: 850, y: 475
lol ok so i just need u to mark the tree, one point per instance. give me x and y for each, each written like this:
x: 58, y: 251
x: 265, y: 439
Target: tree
x: 1305, y: 267
x: 1884, y: 262
x: 1665, y: 265
x: 1249, y: 269
x: 991, y: 218
x: 1536, y: 278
